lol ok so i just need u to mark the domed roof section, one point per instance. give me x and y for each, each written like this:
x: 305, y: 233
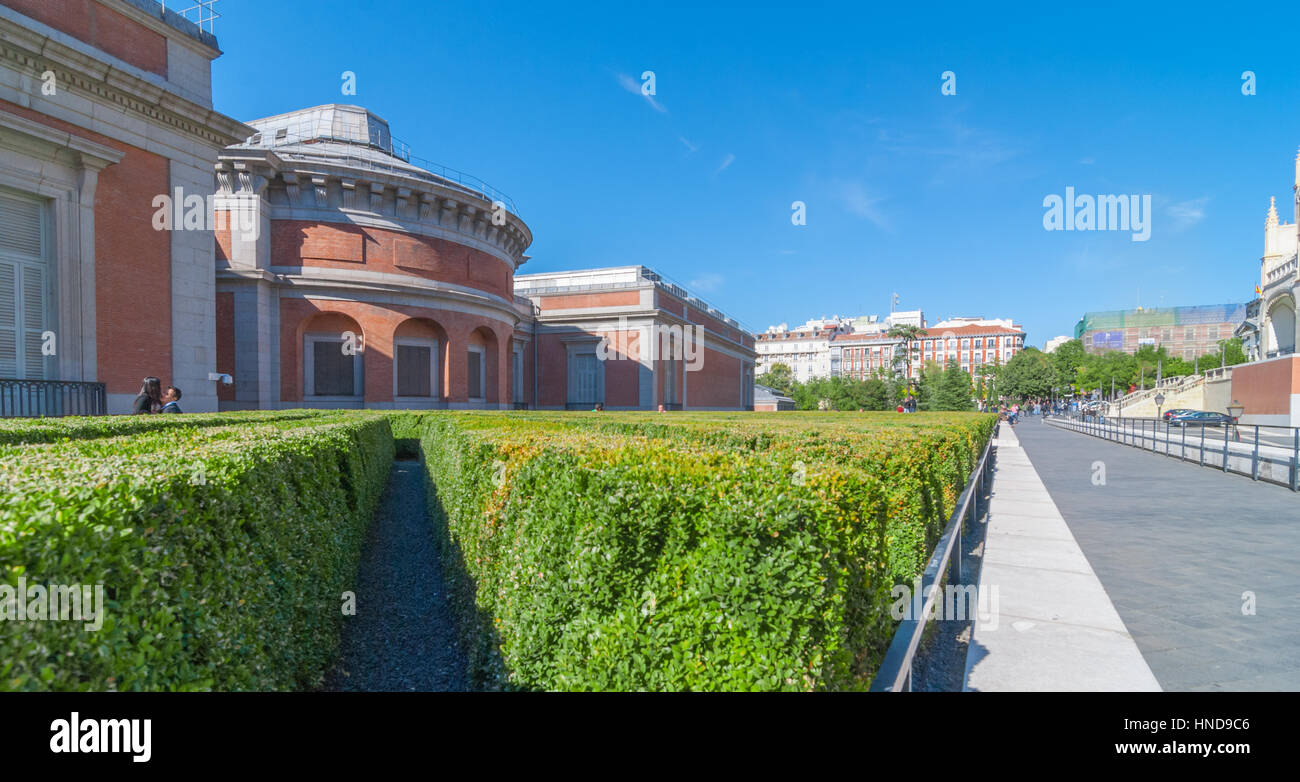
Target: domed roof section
x: 346, y: 135
x: 331, y: 122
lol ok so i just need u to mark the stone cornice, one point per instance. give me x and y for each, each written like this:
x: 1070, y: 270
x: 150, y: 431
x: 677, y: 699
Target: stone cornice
x: 359, y: 196
x: 571, y: 319
x: 28, y: 51
x: 87, y: 153
x: 347, y: 284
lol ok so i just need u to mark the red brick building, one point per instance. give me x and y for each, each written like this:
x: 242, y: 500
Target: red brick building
x: 349, y: 275
x: 629, y: 339
x: 861, y: 356
x: 968, y: 343
x: 318, y: 265
x: 105, y: 107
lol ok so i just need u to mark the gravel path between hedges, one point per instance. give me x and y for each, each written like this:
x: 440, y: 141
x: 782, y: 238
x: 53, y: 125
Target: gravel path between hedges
x: 403, y: 636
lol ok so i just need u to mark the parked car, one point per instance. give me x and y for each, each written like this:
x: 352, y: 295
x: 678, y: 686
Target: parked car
x: 1177, y: 411
x: 1201, y: 418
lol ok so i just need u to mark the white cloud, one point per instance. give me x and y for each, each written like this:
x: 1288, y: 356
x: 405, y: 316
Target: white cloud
x: 634, y: 86
x: 691, y: 147
x: 1187, y: 213
x: 1087, y: 161
x: 705, y: 284
x: 728, y: 160
x: 856, y: 200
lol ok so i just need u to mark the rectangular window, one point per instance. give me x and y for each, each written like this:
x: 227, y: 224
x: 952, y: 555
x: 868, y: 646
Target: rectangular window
x: 474, y: 357
x: 585, y: 366
x: 333, y: 371
x: 415, y: 370
x: 518, y: 381
x: 25, y: 286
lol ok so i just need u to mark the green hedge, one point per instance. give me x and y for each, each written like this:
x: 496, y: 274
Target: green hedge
x: 224, y: 551
x: 16, y: 431
x: 623, y: 553
x: 583, y: 551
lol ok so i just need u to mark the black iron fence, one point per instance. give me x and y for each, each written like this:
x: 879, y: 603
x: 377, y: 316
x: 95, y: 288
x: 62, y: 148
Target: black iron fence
x: 895, y: 674
x: 1260, y: 452
x: 37, y: 398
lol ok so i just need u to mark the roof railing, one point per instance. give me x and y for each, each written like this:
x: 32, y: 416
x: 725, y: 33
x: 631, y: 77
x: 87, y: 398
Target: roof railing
x: 313, y: 129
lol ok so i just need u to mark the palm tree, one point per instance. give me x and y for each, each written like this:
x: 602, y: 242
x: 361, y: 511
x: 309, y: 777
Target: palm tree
x: 908, y: 334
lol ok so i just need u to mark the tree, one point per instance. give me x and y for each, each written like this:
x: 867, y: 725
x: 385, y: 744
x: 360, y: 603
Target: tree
x: 876, y: 394
x: 1067, y: 359
x: 908, y: 334
x: 927, y: 385
x: 779, y: 378
x: 954, y: 390
x: 1029, y: 373
x: 1230, y: 352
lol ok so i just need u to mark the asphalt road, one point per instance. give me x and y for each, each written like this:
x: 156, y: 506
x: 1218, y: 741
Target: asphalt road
x: 1182, y: 550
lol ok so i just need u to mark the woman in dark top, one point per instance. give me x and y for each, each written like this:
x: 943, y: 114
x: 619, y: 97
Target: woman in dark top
x: 150, y: 397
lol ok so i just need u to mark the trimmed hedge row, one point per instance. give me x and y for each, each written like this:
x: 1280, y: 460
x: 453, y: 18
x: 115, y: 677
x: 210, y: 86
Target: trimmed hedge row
x: 223, y: 551
x: 613, y: 552
x: 17, y: 431
x: 583, y: 551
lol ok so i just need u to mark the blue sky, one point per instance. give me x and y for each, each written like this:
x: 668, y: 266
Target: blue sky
x: 939, y: 198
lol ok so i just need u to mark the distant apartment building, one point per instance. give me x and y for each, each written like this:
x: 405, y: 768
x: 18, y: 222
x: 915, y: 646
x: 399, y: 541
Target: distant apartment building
x: 805, y: 350
x: 968, y: 343
x: 863, y: 355
x: 814, y: 349
x: 1055, y: 342
x: 1186, y: 332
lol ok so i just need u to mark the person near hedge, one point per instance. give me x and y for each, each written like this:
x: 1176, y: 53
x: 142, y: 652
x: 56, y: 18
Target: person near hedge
x: 170, y: 399
x: 149, y: 399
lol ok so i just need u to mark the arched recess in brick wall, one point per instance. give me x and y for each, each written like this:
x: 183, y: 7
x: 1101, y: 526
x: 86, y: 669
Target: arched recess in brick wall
x: 421, y: 360
x: 333, y: 359
x: 487, y: 381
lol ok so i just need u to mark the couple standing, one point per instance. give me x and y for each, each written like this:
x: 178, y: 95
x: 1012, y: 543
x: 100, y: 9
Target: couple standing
x: 152, y: 399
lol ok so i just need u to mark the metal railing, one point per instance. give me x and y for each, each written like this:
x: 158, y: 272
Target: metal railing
x: 895, y: 673
x: 21, y: 398
x: 1260, y: 452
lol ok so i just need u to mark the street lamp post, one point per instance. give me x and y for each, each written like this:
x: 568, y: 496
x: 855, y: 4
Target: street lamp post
x: 1235, y: 410
x: 1160, y: 401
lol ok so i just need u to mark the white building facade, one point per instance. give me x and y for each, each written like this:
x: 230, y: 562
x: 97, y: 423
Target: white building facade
x: 1270, y: 329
